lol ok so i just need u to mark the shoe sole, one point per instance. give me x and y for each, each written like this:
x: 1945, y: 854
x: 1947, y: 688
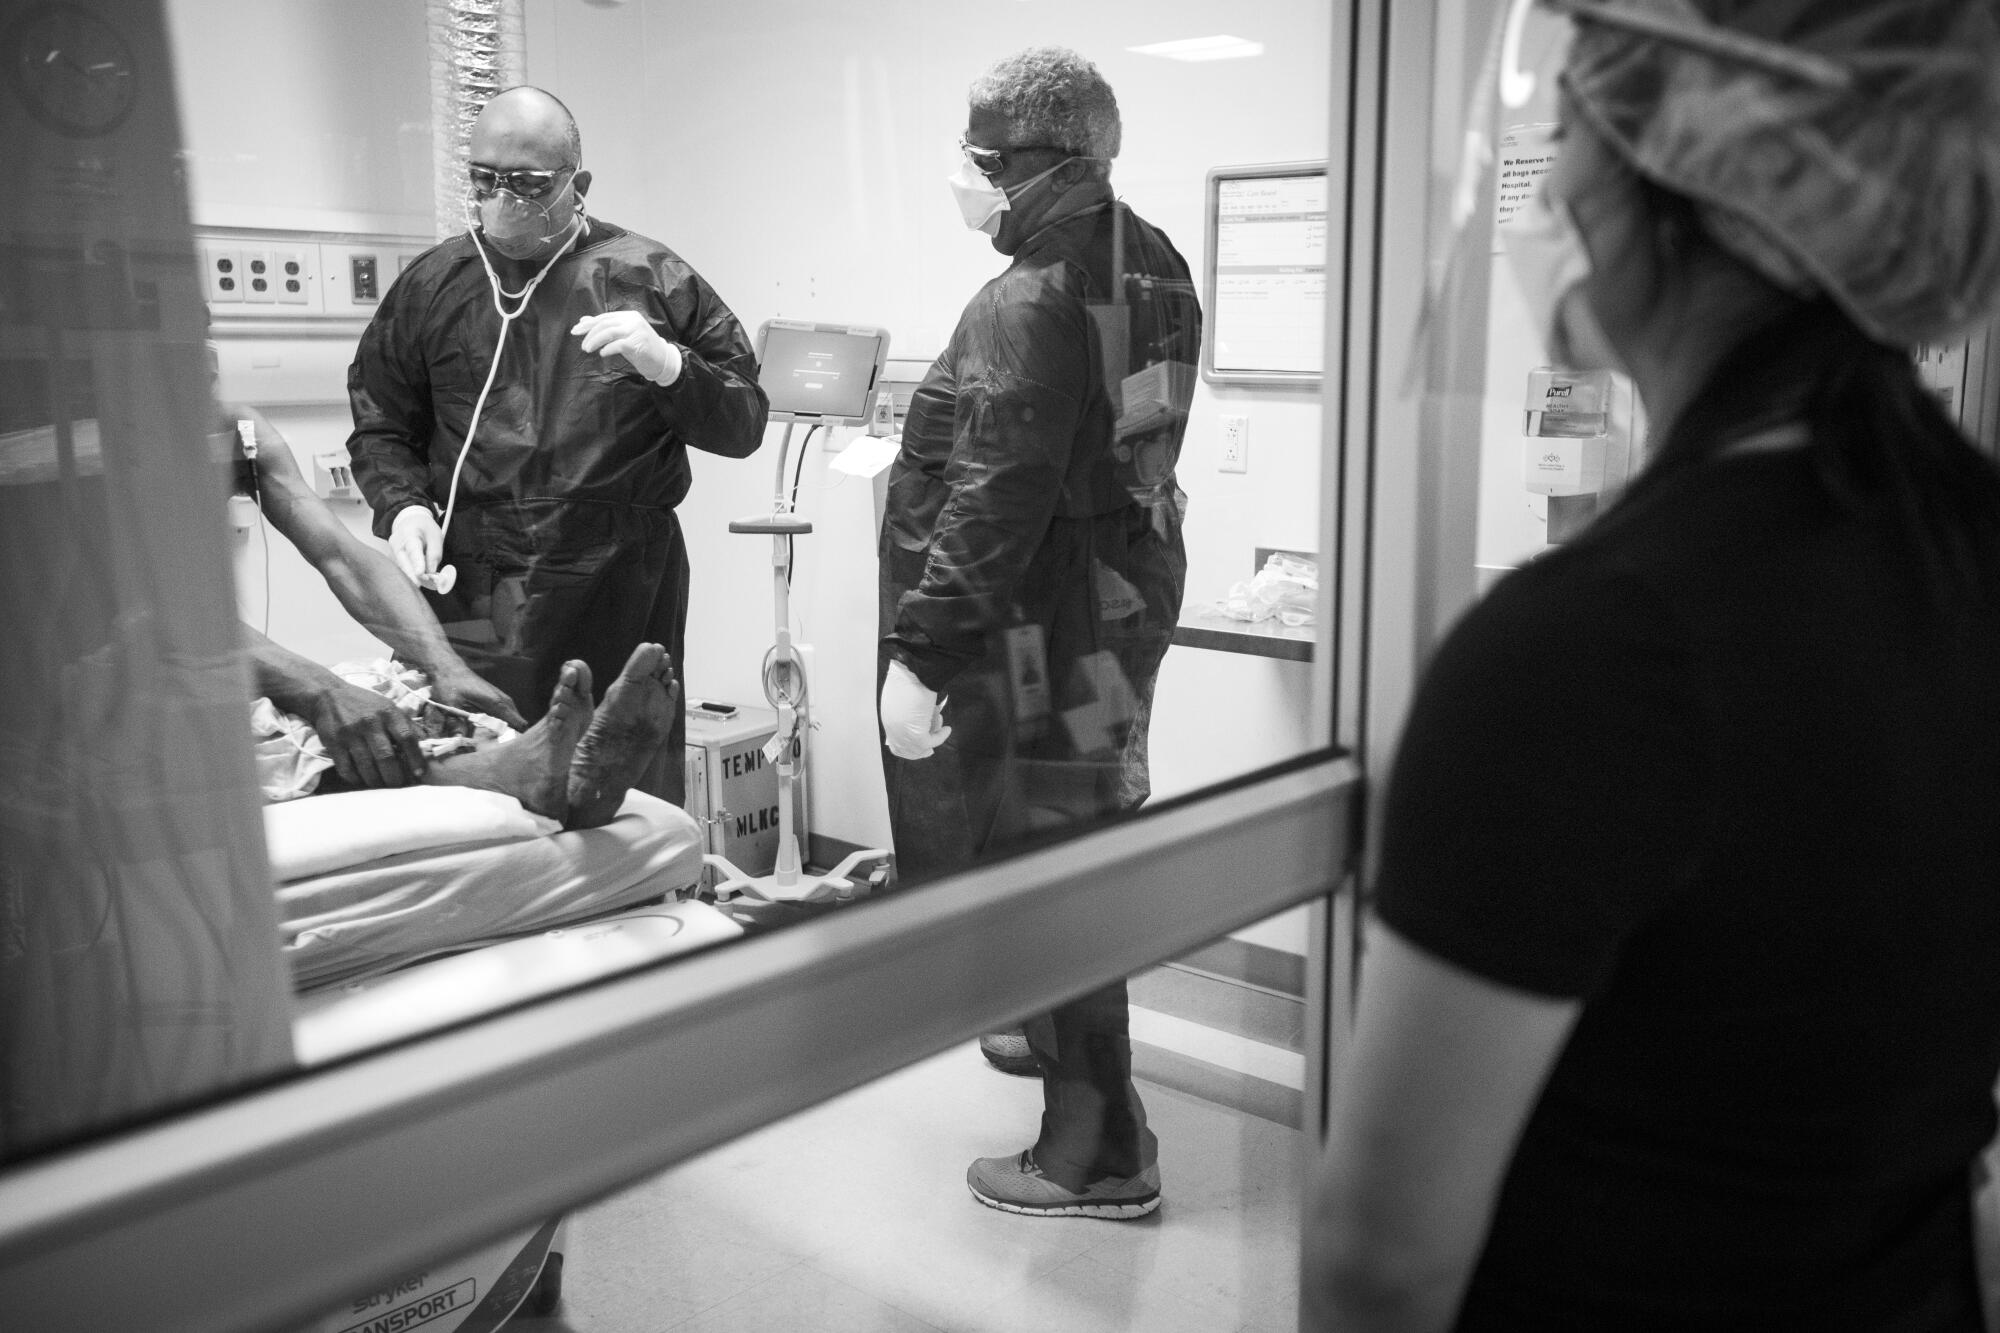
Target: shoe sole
x: 1022, y: 1068
x: 1111, y: 1212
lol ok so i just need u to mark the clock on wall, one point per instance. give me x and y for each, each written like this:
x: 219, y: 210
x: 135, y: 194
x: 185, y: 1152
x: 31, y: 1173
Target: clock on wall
x: 72, y: 69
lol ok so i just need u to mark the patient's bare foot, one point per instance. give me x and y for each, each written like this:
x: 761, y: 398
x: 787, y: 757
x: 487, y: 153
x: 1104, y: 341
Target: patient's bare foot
x: 534, y: 767
x: 630, y: 725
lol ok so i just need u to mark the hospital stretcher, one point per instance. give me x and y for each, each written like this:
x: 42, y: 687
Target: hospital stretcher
x: 403, y: 912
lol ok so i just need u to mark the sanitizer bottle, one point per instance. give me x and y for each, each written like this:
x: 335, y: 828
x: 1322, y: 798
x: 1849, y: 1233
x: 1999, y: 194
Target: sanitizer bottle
x: 1568, y: 421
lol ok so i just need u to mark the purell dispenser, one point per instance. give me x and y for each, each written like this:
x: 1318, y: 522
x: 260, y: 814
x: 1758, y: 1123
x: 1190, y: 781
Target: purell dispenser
x: 1568, y: 425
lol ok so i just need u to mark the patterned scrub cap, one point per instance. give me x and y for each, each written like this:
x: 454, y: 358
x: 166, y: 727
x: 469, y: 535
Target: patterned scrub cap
x: 1844, y: 146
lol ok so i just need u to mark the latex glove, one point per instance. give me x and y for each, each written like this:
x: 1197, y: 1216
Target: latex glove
x: 475, y: 694
x: 372, y: 742
x: 416, y: 541
x: 626, y: 333
x: 912, y: 717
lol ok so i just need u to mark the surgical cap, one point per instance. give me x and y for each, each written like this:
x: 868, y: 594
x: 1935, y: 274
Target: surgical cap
x: 1846, y: 148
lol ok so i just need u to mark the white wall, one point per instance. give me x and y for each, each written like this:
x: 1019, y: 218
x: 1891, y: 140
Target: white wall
x: 794, y: 151
x: 305, y: 114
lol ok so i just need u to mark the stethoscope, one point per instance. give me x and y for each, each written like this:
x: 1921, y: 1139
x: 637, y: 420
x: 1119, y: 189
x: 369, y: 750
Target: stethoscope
x: 446, y: 577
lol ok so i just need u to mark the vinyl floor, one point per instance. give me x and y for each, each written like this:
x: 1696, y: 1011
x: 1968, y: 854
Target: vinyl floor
x: 853, y: 1217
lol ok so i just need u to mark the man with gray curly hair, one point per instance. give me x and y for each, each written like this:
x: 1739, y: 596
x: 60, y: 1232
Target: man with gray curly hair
x: 1032, y: 568
x: 1053, y: 96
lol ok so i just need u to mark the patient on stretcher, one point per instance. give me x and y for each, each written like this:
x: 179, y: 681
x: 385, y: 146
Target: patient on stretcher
x: 573, y: 766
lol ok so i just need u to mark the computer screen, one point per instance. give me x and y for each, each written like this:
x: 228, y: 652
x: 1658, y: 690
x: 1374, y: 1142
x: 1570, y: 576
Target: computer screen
x: 820, y: 373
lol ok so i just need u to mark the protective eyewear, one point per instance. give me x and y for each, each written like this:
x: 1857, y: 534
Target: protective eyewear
x: 520, y: 184
x: 990, y: 162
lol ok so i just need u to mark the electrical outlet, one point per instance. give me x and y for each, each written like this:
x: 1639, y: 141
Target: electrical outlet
x: 221, y: 273
x: 258, y: 275
x: 291, y: 277
x: 1235, y: 444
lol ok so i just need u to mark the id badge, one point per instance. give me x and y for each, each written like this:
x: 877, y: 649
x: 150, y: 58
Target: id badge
x: 1028, y: 672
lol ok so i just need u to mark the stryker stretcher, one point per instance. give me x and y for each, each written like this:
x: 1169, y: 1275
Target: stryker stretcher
x: 405, y: 911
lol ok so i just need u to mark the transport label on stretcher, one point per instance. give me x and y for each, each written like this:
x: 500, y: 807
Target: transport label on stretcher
x: 425, y: 1309
x: 491, y: 1285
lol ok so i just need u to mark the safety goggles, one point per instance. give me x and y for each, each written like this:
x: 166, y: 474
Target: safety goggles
x: 990, y: 162
x: 520, y: 184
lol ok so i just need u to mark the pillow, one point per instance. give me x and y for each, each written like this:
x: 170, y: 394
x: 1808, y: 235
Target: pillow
x: 324, y: 833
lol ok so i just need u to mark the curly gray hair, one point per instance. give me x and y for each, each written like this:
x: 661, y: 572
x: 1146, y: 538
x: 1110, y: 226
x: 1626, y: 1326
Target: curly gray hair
x: 1051, y: 95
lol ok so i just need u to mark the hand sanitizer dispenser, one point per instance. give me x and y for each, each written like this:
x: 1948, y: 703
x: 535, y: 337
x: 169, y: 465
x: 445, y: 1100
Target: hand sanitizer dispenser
x: 1568, y: 421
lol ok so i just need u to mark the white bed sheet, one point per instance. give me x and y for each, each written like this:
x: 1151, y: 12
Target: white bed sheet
x: 396, y: 910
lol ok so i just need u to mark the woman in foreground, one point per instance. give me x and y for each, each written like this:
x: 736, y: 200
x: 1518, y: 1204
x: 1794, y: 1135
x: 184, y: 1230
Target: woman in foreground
x: 1681, y: 1001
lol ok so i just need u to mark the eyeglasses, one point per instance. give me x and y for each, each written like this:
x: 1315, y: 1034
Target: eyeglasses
x: 990, y: 162
x: 521, y: 184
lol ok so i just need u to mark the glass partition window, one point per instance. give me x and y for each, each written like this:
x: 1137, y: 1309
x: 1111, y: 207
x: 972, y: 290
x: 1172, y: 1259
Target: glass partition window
x: 341, y: 420
x: 1103, y: 575
x: 1555, y: 445
x: 1095, y: 569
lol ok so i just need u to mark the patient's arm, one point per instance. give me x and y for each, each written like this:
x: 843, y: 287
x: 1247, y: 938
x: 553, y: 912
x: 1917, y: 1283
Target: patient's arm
x: 371, y: 741
x: 366, y: 581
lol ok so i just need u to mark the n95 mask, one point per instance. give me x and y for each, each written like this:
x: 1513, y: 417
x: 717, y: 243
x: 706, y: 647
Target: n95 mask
x: 521, y: 228
x: 980, y: 201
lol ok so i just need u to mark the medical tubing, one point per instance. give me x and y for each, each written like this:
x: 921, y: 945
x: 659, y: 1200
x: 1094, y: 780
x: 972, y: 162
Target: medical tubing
x: 774, y: 691
x: 264, y: 540
x: 499, y: 347
x: 792, y: 505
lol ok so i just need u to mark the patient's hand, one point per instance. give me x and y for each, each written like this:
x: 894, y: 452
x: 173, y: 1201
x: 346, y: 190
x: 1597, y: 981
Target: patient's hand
x: 372, y: 742
x: 476, y: 694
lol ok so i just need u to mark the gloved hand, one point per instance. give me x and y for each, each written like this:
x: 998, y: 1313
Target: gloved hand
x: 626, y: 333
x: 372, y: 742
x: 416, y: 541
x: 912, y: 718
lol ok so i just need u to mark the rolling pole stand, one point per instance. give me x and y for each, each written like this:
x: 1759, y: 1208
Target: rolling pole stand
x: 785, y: 689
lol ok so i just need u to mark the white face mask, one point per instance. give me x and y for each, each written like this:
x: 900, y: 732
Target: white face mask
x: 1550, y: 264
x: 981, y: 202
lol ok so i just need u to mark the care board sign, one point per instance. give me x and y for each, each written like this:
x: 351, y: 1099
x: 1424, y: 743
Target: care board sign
x: 1265, y: 274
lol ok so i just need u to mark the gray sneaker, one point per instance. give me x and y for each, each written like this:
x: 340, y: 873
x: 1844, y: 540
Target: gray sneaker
x: 1016, y: 1185
x: 1008, y: 1052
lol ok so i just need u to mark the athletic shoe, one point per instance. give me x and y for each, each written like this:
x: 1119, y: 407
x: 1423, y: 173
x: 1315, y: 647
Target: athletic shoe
x: 1016, y: 1185
x: 1008, y: 1052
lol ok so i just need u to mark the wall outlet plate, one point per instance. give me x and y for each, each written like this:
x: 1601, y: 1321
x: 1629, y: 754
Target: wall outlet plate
x: 258, y: 273
x: 222, y: 272
x: 1235, y: 455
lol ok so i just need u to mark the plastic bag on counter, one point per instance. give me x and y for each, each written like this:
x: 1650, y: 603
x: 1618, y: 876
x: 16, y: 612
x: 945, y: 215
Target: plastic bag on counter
x: 1286, y: 587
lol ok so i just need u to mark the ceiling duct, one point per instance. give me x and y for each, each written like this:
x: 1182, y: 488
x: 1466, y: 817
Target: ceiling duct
x: 477, y: 49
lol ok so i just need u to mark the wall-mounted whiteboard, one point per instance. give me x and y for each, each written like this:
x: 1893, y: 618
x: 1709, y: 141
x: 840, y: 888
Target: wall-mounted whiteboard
x: 1265, y: 275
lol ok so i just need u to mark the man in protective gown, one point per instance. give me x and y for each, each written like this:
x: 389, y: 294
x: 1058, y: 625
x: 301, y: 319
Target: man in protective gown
x: 1032, y: 569
x: 613, y: 356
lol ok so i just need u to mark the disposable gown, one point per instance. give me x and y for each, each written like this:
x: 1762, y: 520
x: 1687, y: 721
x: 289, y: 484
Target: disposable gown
x: 1031, y: 557
x: 564, y: 534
